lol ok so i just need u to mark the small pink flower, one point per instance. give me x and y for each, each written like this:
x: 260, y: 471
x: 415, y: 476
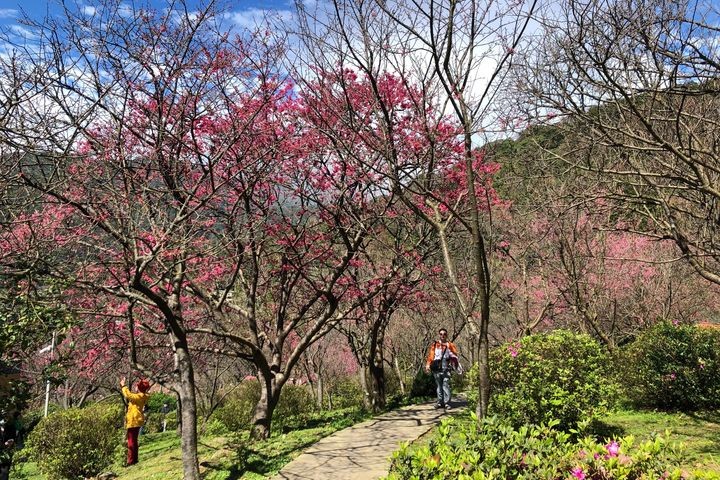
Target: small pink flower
x: 578, y: 473
x: 612, y: 448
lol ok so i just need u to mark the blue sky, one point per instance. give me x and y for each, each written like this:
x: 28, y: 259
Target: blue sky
x: 241, y: 12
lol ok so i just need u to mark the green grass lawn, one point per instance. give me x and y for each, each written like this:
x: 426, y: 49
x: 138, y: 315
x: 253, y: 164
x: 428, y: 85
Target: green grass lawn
x: 225, y: 456
x: 700, y: 433
x: 235, y: 457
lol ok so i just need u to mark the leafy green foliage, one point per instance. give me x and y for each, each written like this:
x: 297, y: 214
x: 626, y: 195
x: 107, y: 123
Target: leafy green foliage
x: 464, y: 450
x: 558, y: 376
x: 76, y: 443
x: 154, y: 422
x: 673, y: 367
x: 294, y: 400
x: 423, y: 385
x: 699, y: 433
x: 157, y: 400
x: 236, y: 412
x: 347, y: 393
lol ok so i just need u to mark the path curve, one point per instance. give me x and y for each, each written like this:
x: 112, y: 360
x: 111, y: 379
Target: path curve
x: 362, y: 452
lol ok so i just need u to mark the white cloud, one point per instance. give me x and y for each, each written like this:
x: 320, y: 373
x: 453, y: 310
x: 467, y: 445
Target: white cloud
x: 8, y: 13
x: 125, y: 10
x: 24, y: 33
x: 89, y: 11
x: 254, y: 17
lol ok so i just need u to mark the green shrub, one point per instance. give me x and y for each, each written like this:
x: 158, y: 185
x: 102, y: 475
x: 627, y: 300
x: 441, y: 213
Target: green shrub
x: 295, y: 400
x: 154, y: 422
x: 559, y: 376
x: 463, y: 450
x: 157, y: 400
x: 347, y: 393
x: 673, y: 367
x: 154, y: 417
x: 76, y: 443
x: 171, y: 420
x: 423, y: 385
x: 236, y: 411
x: 215, y: 427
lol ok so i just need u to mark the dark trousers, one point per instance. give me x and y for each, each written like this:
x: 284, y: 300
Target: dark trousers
x: 132, y: 444
x: 4, y: 472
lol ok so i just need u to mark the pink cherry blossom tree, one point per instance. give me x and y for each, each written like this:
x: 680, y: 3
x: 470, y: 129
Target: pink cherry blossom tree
x: 431, y: 54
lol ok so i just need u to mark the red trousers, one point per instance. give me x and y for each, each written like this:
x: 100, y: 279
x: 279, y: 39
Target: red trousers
x: 132, y: 443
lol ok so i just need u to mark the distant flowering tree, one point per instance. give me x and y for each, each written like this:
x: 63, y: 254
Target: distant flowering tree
x: 434, y: 53
x: 564, y: 268
x: 177, y: 194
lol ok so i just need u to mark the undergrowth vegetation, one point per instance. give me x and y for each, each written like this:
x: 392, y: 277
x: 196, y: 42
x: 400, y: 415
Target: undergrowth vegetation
x: 552, y: 404
x: 553, y: 394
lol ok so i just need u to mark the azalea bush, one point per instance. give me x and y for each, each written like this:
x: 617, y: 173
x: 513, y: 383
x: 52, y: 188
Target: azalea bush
x: 77, y: 442
x: 494, y: 449
x: 673, y: 367
x: 558, y: 376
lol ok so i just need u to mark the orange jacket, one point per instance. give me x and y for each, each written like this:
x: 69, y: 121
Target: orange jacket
x: 436, y: 350
x: 136, y: 402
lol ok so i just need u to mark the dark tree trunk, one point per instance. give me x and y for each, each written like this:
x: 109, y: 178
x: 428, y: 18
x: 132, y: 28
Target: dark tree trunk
x: 262, y: 416
x: 188, y: 410
x: 376, y: 367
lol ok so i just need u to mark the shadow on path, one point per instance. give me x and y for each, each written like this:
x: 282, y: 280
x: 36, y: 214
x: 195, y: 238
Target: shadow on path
x: 362, y: 452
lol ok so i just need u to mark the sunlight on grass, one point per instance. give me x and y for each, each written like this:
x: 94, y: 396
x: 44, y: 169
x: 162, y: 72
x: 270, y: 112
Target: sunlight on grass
x: 230, y: 456
x: 700, y: 433
x: 236, y: 457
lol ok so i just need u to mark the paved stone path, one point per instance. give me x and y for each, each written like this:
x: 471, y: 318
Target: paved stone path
x: 362, y: 452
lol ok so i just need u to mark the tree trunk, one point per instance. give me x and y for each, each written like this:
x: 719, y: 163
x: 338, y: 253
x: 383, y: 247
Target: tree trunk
x: 262, y: 416
x: 399, y: 373
x: 367, y: 397
x: 377, y: 387
x: 320, y: 392
x: 376, y: 369
x: 188, y: 410
x: 484, y: 375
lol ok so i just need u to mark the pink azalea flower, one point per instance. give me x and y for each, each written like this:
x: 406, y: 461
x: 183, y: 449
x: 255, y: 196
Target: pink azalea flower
x: 612, y: 448
x: 578, y: 473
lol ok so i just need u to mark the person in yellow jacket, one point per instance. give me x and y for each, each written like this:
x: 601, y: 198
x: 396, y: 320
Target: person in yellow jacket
x: 134, y: 418
x: 442, y: 357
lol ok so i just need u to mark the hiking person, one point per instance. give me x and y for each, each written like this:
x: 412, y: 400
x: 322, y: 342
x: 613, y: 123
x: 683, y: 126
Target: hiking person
x: 165, y: 410
x: 442, y: 358
x: 134, y: 418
